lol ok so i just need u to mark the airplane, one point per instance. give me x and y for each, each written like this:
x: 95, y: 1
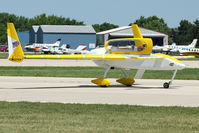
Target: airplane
x: 53, y: 50
x: 189, y: 51
x: 176, y: 48
x: 124, y: 53
x: 64, y: 50
x: 78, y: 50
x: 40, y: 46
x: 173, y: 48
x: 163, y: 49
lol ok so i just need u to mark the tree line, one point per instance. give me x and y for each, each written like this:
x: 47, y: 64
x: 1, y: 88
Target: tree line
x: 183, y: 34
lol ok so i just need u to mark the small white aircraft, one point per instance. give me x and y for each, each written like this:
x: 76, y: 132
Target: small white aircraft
x: 53, y: 50
x: 40, y: 46
x: 78, y: 50
x: 174, y: 48
x: 124, y: 53
x: 64, y: 50
x: 177, y: 48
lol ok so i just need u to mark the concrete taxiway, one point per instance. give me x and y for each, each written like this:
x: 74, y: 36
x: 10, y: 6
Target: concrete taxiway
x: 81, y: 90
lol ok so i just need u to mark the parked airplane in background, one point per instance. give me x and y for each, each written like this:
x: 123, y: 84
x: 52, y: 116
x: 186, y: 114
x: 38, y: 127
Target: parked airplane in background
x: 189, y: 51
x: 173, y: 47
x: 64, y: 49
x: 40, y: 46
x: 124, y: 53
x: 78, y: 50
x: 177, y: 48
x: 161, y: 49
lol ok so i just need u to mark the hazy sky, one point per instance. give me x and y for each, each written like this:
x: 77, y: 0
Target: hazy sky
x: 120, y: 12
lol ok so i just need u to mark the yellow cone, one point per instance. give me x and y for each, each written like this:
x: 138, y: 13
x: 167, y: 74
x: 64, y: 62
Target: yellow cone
x: 101, y: 82
x: 126, y: 81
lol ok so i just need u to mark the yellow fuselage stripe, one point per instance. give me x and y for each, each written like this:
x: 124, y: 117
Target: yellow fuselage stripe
x: 75, y: 56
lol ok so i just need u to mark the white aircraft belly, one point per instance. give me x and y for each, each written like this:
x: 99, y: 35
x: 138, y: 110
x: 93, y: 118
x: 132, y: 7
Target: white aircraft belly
x: 150, y: 64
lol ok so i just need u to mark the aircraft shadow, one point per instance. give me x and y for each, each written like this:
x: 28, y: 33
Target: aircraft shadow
x: 134, y: 87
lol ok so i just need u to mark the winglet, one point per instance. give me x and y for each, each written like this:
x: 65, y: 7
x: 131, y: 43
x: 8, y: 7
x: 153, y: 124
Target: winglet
x: 136, y: 31
x: 15, y: 50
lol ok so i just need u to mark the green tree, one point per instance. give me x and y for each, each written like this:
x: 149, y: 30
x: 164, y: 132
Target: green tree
x: 43, y: 19
x: 104, y: 26
x: 4, y: 18
x: 185, y: 32
x: 153, y: 23
x: 23, y: 24
x: 196, y: 29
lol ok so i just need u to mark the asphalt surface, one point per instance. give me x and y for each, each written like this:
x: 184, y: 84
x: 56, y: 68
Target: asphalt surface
x: 81, y: 90
x: 54, y: 62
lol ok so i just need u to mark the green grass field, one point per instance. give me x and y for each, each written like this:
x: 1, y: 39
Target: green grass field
x: 92, y: 72
x: 4, y: 55
x: 24, y: 117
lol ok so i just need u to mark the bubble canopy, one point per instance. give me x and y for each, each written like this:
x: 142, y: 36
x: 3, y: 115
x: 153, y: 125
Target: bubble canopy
x: 128, y: 46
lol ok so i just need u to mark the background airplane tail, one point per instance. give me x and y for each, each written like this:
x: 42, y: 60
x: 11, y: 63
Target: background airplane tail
x: 14, y: 46
x: 194, y: 42
x: 58, y: 42
x: 81, y: 47
x: 173, y: 44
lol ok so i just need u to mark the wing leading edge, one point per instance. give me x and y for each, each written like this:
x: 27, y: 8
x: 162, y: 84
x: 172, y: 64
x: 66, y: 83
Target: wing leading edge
x: 77, y: 56
x: 105, y: 56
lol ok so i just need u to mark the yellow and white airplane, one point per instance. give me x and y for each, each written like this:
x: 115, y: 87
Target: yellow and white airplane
x: 125, y: 53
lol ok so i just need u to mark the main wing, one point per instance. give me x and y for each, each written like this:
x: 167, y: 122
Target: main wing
x: 16, y: 53
x: 106, y: 56
x: 77, y: 56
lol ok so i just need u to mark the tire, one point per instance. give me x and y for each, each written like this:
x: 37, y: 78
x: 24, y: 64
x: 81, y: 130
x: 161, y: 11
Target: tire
x: 166, y: 85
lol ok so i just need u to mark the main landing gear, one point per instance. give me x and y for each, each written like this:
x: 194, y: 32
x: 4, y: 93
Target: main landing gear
x: 167, y: 84
x: 104, y: 82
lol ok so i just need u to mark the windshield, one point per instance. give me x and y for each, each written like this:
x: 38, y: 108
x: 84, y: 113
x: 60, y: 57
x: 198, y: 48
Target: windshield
x: 126, y: 46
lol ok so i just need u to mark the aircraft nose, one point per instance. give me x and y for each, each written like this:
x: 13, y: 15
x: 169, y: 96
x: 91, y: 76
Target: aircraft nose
x: 181, y: 66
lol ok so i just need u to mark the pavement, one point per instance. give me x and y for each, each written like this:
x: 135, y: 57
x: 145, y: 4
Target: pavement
x: 80, y: 90
x: 63, y: 62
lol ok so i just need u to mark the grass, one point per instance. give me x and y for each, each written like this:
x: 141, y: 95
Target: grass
x: 24, y: 117
x: 92, y: 72
x: 4, y: 55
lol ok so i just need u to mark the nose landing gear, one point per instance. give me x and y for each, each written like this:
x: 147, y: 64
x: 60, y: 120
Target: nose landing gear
x: 167, y: 84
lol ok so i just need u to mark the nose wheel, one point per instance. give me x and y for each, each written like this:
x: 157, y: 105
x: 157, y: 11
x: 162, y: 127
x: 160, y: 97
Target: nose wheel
x: 166, y: 85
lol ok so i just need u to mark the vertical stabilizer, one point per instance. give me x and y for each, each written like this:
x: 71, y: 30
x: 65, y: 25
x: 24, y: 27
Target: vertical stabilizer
x: 15, y: 50
x: 136, y: 31
x: 81, y: 47
x: 57, y: 43
x: 193, y: 44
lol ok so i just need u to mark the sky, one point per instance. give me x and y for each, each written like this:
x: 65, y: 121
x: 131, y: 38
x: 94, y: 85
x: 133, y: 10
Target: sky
x: 119, y: 12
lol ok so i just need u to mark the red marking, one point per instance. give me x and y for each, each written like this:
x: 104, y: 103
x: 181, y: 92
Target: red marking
x: 35, y: 48
x: 190, y: 53
x: 84, y: 48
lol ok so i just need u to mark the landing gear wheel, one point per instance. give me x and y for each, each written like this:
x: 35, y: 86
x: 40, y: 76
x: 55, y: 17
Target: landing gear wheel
x: 128, y: 85
x: 103, y: 86
x: 166, y: 85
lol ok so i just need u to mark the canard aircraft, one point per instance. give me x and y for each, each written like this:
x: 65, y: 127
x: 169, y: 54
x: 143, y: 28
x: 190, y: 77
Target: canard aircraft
x: 124, y: 53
